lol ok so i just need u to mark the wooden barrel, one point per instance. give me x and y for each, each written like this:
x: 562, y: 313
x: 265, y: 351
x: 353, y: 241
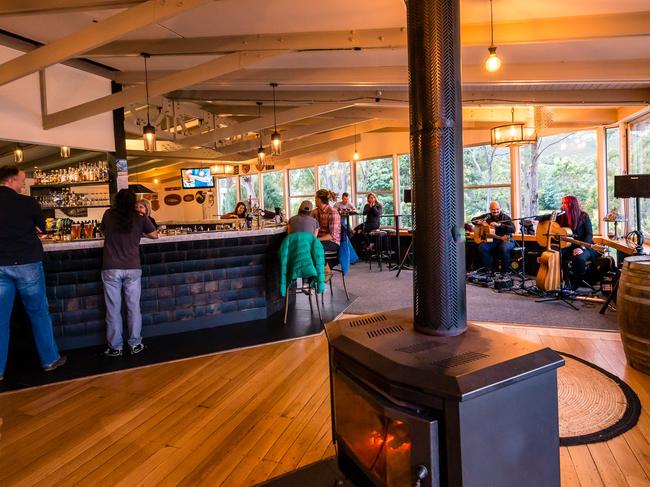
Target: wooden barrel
x: 633, y: 311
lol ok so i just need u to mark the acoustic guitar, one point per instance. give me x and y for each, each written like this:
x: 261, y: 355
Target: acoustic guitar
x: 549, y: 276
x: 483, y: 234
x: 562, y: 236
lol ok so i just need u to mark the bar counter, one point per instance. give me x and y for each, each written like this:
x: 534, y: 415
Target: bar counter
x: 192, y: 281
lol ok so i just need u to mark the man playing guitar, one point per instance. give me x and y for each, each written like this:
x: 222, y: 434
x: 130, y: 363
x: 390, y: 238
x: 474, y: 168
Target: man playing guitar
x: 502, y: 227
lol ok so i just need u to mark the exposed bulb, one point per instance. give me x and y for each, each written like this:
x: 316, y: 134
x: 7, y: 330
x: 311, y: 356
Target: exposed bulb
x: 355, y: 156
x: 492, y: 63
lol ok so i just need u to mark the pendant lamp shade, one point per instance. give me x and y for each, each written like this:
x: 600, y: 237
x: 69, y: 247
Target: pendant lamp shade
x: 261, y: 153
x: 148, y: 131
x: 276, y: 140
x: 513, y: 134
x: 65, y: 151
x: 19, y: 154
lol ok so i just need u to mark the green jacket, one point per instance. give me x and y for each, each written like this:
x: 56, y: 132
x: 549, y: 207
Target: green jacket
x: 301, y: 255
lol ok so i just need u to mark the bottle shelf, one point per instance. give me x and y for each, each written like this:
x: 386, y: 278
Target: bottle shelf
x: 72, y: 207
x: 67, y: 185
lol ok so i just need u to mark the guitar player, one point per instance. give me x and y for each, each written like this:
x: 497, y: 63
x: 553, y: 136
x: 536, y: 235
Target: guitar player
x: 501, y: 224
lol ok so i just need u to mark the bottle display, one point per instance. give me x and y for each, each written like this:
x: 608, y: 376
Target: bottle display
x: 84, y: 172
x: 65, y: 198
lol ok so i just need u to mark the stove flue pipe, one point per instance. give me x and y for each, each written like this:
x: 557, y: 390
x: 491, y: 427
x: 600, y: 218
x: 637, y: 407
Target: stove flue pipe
x: 433, y: 28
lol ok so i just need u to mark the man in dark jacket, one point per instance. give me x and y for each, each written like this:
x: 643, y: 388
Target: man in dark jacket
x: 502, y: 226
x: 21, y: 268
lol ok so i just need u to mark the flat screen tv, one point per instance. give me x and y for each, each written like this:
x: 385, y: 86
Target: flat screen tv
x: 197, y: 178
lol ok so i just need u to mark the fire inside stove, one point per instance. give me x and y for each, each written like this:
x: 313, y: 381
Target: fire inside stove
x: 376, y: 436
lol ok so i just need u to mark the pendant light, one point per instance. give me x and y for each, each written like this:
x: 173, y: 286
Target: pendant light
x: 148, y: 132
x: 492, y: 63
x: 355, y: 155
x: 19, y: 154
x: 65, y: 151
x: 261, y: 153
x: 276, y: 141
x: 513, y: 134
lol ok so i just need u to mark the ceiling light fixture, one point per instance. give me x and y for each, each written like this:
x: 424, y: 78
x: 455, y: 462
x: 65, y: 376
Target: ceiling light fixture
x: 276, y: 141
x: 148, y: 131
x: 355, y: 154
x: 65, y: 151
x: 222, y: 169
x: 513, y: 134
x: 492, y: 63
x: 261, y: 153
x: 19, y: 154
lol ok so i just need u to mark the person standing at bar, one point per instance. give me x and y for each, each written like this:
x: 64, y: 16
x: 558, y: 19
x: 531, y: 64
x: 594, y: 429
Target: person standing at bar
x: 21, y: 268
x: 121, y: 271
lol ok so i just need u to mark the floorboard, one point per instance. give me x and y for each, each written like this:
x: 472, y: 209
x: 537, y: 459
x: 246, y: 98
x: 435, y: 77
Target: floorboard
x: 242, y: 417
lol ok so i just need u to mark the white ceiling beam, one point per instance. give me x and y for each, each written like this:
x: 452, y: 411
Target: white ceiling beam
x: 211, y: 69
x: 92, y: 36
x: 264, y: 122
x: 393, y: 77
x: 285, y: 158
x: 26, y: 7
x: 524, y: 31
x: 284, y: 96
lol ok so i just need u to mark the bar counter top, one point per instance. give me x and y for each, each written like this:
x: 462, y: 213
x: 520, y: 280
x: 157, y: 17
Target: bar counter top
x: 211, y: 235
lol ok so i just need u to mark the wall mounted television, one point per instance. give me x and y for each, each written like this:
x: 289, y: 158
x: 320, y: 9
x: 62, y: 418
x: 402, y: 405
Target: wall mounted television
x: 197, y: 178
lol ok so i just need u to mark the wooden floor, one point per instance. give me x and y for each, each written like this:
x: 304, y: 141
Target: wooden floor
x: 238, y: 418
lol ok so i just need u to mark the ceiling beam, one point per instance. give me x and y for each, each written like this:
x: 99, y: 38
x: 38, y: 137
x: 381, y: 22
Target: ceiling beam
x: 284, y: 159
x: 92, y: 36
x: 211, y: 69
x: 633, y: 70
x: 26, y: 7
x: 264, y: 122
x: 284, y: 96
x: 523, y: 31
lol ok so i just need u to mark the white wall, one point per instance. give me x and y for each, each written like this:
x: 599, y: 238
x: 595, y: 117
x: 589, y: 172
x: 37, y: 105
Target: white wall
x: 183, y: 212
x: 20, y: 108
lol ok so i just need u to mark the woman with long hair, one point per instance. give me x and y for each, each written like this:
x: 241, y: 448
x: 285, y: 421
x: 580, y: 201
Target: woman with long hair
x: 121, y: 271
x: 372, y: 211
x: 238, y: 212
x: 580, y: 224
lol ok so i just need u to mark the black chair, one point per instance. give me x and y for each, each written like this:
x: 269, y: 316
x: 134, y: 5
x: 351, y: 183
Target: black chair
x: 306, y: 287
x: 332, y: 256
x: 377, y: 238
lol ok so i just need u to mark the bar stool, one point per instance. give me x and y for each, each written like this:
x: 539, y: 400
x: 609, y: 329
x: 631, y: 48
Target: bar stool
x: 377, y: 237
x: 306, y: 287
x: 330, y: 256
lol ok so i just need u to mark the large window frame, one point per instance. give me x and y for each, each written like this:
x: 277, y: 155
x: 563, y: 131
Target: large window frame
x: 300, y: 196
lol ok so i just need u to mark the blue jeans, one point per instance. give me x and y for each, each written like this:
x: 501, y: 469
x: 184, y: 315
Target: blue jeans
x: 29, y: 281
x: 500, y: 250
x: 116, y: 280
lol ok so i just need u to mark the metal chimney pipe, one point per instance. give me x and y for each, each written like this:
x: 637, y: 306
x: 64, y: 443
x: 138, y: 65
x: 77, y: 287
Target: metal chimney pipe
x: 433, y: 29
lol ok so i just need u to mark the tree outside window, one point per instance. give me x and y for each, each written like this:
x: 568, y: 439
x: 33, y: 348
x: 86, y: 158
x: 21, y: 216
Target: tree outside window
x: 486, y: 172
x: 640, y: 164
x: 405, y: 182
x: 302, y: 186
x: 227, y: 188
x: 560, y: 165
x: 335, y: 177
x: 273, y: 190
x: 376, y: 176
x: 613, y: 150
x: 248, y: 189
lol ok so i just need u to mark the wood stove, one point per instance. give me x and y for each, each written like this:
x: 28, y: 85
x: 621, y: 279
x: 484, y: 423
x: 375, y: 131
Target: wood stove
x: 475, y: 410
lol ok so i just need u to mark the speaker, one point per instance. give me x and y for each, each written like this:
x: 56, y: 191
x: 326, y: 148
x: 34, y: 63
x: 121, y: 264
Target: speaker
x: 632, y: 186
x: 407, y: 196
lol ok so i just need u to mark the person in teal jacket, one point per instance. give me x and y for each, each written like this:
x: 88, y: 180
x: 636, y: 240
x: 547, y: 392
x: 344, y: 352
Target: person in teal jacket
x: 301, y: 255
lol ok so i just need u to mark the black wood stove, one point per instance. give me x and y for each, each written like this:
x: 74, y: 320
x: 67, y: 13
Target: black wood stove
x: 418, y: 397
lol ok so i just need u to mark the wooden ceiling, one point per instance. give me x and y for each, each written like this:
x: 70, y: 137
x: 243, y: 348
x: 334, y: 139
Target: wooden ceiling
x: 339, y: 64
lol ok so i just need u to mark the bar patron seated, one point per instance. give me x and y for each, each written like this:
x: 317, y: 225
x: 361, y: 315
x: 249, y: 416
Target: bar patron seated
x: 199, y: 273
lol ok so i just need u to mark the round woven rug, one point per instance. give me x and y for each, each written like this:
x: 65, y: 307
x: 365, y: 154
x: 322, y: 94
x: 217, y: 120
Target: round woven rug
x: 594, y: 405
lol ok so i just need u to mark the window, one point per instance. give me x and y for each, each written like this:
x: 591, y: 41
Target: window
x: 560, y: 165
x: 227, y: 188
x: 613, y: 151
x: 302, y: 186
x: 335, y: 176
x: 273, y: 190
x: 486, y: 171
x: 640, y: 164
x: 376, y: 176
x: 404, y: 164
x: 248, y: 188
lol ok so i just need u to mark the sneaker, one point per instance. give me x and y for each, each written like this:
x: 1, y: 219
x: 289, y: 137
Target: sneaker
x: 61, y: 361
x: 112, y: 352
x: 137, y: 348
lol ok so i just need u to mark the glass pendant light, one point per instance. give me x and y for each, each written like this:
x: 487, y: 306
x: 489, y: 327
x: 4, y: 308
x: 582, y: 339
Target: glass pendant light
x: 355, y: 154
x: 276, y: 140
x: 65, y: 151
x: 19, y: 154
x: 261, y: 153
x: 148, y: 131
x: 492, y: 63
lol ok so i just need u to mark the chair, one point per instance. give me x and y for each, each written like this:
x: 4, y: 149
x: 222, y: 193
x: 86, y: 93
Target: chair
x: 332, y: 256
x: 378, y: 236
x: 306, y: 287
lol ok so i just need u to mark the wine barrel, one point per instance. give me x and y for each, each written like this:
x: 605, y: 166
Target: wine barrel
x: 633, y: 311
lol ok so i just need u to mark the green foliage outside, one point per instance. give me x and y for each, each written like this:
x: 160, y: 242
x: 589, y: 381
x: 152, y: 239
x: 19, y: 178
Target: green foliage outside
x: 272, y: 190
x: 335, y: 176
x: 376, y: 176
x: 405, y: 182
x: 227, y: 194
x: 640, y: 164
x: 248, y: 188
x: 485, y: 165
x: 302, y: 186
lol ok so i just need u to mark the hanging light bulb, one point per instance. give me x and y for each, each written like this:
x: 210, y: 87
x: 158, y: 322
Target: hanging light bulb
x: 19, y: 154
x: 492, y: 63
x: 276, y: 140
x: 355, y: 154
x: 148, y: 131
x: 65, y: 151
x: 261, y: 153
